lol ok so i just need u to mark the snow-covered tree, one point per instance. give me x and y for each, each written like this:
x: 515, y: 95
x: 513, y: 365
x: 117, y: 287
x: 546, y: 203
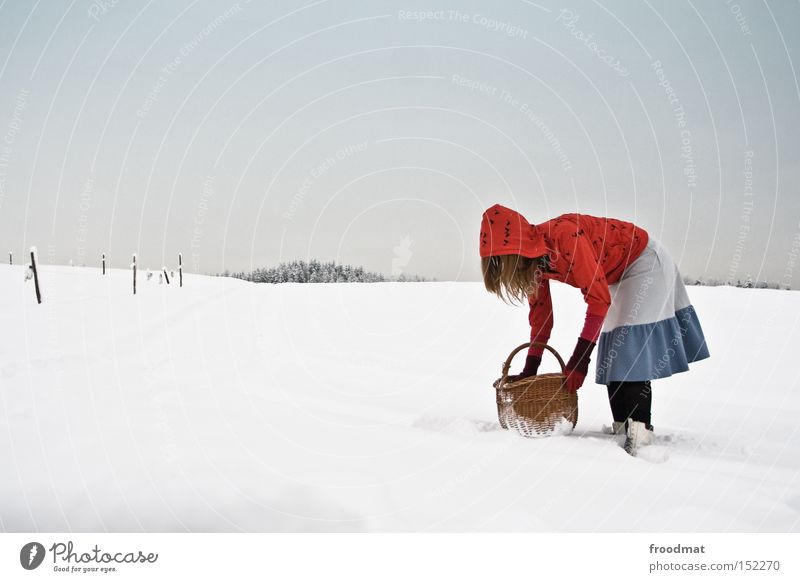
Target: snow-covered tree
x: 314, y: 271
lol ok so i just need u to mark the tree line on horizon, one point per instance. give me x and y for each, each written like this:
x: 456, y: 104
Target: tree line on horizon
x: 746, y: 283
x: 315, y: 271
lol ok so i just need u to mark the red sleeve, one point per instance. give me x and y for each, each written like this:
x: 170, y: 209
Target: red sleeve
x: 591, y: 327
x: 589, y: 276
x: 540, y: 317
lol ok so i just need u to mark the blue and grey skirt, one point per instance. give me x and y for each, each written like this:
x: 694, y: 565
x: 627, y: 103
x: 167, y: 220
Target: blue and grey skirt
x: 651, y: 330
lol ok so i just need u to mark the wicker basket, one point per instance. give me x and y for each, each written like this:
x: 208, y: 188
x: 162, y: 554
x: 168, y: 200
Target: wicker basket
x: 536, y: 405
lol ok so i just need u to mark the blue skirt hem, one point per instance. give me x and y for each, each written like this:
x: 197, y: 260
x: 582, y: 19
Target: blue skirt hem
x: 650, y: 351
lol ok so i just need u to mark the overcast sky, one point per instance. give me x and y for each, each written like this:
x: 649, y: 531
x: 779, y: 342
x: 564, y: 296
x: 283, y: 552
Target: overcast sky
x: 375, y: 133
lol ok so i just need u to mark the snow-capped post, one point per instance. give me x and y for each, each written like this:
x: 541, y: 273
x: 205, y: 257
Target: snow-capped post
x: 166, y: 277
x: 104, y: 263
x: 180, y: 269
x: 133, y: 266
x: 35, y: 275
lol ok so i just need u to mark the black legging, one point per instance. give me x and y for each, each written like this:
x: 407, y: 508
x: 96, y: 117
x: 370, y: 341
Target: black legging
x: 630, y: 400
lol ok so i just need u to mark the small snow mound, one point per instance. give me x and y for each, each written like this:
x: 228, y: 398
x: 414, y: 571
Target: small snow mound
x: 653, y: 454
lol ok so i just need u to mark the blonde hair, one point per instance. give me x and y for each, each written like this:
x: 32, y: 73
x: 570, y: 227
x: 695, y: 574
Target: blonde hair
x: 513, y: 277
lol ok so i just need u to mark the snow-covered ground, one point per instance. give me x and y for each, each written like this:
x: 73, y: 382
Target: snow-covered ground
x: 227, y: 406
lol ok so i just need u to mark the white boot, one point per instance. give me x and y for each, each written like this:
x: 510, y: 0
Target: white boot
x: 637, y: 435
x: 616, y: 428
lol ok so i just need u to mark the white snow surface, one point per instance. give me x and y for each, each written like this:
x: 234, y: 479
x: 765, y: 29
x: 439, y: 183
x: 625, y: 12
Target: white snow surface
x: 231, y: 406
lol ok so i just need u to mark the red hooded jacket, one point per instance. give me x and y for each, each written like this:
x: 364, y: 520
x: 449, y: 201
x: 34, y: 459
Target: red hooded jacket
x: 587, y: 252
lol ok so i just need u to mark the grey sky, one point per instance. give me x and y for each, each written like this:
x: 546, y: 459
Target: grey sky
x: 375, y: 133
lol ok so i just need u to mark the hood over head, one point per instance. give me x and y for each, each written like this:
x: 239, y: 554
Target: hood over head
x: 506, y: 232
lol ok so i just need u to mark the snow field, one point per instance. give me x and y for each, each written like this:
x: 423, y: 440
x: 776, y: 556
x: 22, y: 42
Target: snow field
x: 231, y: 406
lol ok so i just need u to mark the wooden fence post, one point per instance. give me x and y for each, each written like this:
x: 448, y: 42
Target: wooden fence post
x: 166, y: 277
x: 180, y: 269
x: 10, y: 258
x: 134, y: 273
x: 35, y: 275
x: 104, y: 263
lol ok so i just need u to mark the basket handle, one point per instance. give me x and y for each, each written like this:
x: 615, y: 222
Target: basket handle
x: 507, y: 363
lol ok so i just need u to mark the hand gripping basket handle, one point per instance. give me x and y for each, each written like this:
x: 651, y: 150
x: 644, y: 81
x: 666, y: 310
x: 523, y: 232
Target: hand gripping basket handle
x: 507, y: 363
